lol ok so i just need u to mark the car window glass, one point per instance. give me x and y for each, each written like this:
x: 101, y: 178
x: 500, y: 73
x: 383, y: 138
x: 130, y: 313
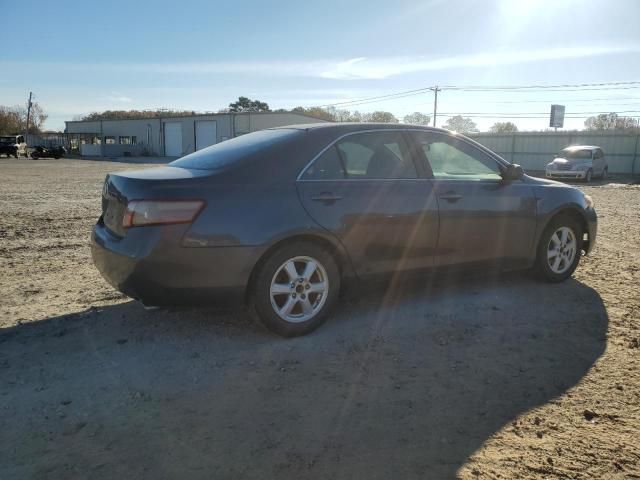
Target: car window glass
x: 376, y: 155
x: 327, y: 166
x: 452, y: 159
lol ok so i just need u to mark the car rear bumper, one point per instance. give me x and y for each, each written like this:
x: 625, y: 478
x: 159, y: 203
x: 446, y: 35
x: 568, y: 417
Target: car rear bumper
x: 150, y: 265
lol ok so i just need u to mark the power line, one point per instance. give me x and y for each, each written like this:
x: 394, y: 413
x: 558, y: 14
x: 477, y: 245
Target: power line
x: 540, y: 87
x: 574, y: 100
x: 607, y: 86
x: 535, y: 113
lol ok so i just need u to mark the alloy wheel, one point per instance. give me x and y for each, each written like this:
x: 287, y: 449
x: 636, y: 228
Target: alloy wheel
x: 562, y: 250
x: 299, y: 289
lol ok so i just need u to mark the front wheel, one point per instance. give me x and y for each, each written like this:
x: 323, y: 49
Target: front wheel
x: 559, y: 249
x: 296, y: 288
x: 588, y: 176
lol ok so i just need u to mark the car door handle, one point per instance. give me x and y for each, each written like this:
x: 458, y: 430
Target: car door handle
x: 326, y: 197
x: 451, y: 197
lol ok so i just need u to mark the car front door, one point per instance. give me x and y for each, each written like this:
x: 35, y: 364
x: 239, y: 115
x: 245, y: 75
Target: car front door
x: 598, y: 161
x: 482, y: 217
x: 367, y: 190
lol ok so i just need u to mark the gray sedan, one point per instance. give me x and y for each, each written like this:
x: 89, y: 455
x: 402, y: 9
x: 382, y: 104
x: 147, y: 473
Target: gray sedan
x: 281, y: 218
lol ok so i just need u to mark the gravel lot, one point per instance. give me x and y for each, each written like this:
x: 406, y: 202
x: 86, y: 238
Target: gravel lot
x: 496, y: 376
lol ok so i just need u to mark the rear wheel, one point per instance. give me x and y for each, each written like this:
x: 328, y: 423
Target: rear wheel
x: 35, y: 155
x: 605, y: 173
x: 559, y: 249
x: 296, y: 288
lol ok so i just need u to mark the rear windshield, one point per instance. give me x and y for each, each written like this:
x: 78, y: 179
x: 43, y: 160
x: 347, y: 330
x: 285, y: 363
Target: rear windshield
x: 230, y: 151
x: 575, y: 154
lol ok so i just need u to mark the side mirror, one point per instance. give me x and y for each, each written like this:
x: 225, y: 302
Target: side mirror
x: 513, y: 172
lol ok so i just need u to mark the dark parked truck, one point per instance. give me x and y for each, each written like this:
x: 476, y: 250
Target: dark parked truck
x: 51, y: 152
x: 13, y: 145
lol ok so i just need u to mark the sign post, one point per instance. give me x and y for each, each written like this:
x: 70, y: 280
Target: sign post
x: 557, y: 116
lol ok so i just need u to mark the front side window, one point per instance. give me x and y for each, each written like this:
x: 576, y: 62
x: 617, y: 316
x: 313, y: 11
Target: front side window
x: 109, y: 140
x: 453, y: 159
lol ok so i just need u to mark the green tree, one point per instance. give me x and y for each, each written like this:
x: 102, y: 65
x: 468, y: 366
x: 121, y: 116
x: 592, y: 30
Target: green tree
x: 461, y: 124
x: 245, y: 104
x: 610, y: 121
x: 379, y: 117
x: 503, y: 127
x: 417, y: 118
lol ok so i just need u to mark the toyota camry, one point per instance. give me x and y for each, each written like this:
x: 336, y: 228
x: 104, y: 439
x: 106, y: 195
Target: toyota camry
x: 280, y: 218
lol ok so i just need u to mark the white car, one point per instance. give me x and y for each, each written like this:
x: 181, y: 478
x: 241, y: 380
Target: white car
x: 578, y: 162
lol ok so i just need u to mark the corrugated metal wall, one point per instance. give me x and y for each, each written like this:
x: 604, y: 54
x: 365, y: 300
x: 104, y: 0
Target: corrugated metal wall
x: 533, y: 150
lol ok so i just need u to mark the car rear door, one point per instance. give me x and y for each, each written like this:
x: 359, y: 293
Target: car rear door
x: 367, y: 190
x: 482, y: 218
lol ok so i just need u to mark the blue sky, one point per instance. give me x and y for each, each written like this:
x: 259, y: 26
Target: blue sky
x: 201, y: 55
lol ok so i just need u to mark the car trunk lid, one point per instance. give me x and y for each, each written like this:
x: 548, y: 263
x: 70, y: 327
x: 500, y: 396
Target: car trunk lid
x: 154, y: 183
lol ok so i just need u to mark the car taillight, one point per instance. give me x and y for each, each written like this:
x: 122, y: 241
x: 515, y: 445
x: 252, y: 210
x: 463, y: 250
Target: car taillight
x: 160, y: 212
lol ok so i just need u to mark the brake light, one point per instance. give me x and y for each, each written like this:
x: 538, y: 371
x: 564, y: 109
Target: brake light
x: 160, y: 212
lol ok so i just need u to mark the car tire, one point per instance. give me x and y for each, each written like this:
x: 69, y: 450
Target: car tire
x: 556, y: 260
x: 588, y: 176
x: 605, y: 173
x: 289, y: 301
x: 35, y: 155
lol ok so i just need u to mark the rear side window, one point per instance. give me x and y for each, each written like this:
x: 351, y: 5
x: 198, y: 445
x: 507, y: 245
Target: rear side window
x: 367, y: 156
x: 327, y: 166
x: 230, y: 151
x: 376, y: 155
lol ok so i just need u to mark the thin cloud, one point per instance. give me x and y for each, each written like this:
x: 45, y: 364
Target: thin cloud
x: 360, y: 68
x: 116, y: 97
x: 372, y: 68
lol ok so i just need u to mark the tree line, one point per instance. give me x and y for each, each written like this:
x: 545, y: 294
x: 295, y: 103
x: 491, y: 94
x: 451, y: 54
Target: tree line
x: 13, y: 119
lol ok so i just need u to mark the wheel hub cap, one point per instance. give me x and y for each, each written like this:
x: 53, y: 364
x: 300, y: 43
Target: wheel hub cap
x: 299, y: 289
x: 562, y: 250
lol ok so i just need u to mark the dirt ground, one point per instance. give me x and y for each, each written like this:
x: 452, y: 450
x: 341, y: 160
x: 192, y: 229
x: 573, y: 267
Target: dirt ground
x: 497, y: 376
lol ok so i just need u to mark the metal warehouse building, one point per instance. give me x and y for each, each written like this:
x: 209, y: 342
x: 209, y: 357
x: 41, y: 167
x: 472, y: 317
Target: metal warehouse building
x: 170, y: 136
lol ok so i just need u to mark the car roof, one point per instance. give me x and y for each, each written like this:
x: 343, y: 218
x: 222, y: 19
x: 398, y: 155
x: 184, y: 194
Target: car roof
x: 581, y: 147
x: 347, y: 127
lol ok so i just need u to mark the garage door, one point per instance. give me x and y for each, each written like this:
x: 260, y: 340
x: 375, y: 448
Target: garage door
x: 206, y: 132
x: 173, y: 139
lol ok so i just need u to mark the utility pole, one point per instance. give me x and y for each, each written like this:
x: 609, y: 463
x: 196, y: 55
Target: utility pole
x: 435, y: 103
x: 28, y: 116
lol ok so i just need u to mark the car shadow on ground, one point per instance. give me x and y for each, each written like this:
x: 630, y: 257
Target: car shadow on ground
x: 405, y: 382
